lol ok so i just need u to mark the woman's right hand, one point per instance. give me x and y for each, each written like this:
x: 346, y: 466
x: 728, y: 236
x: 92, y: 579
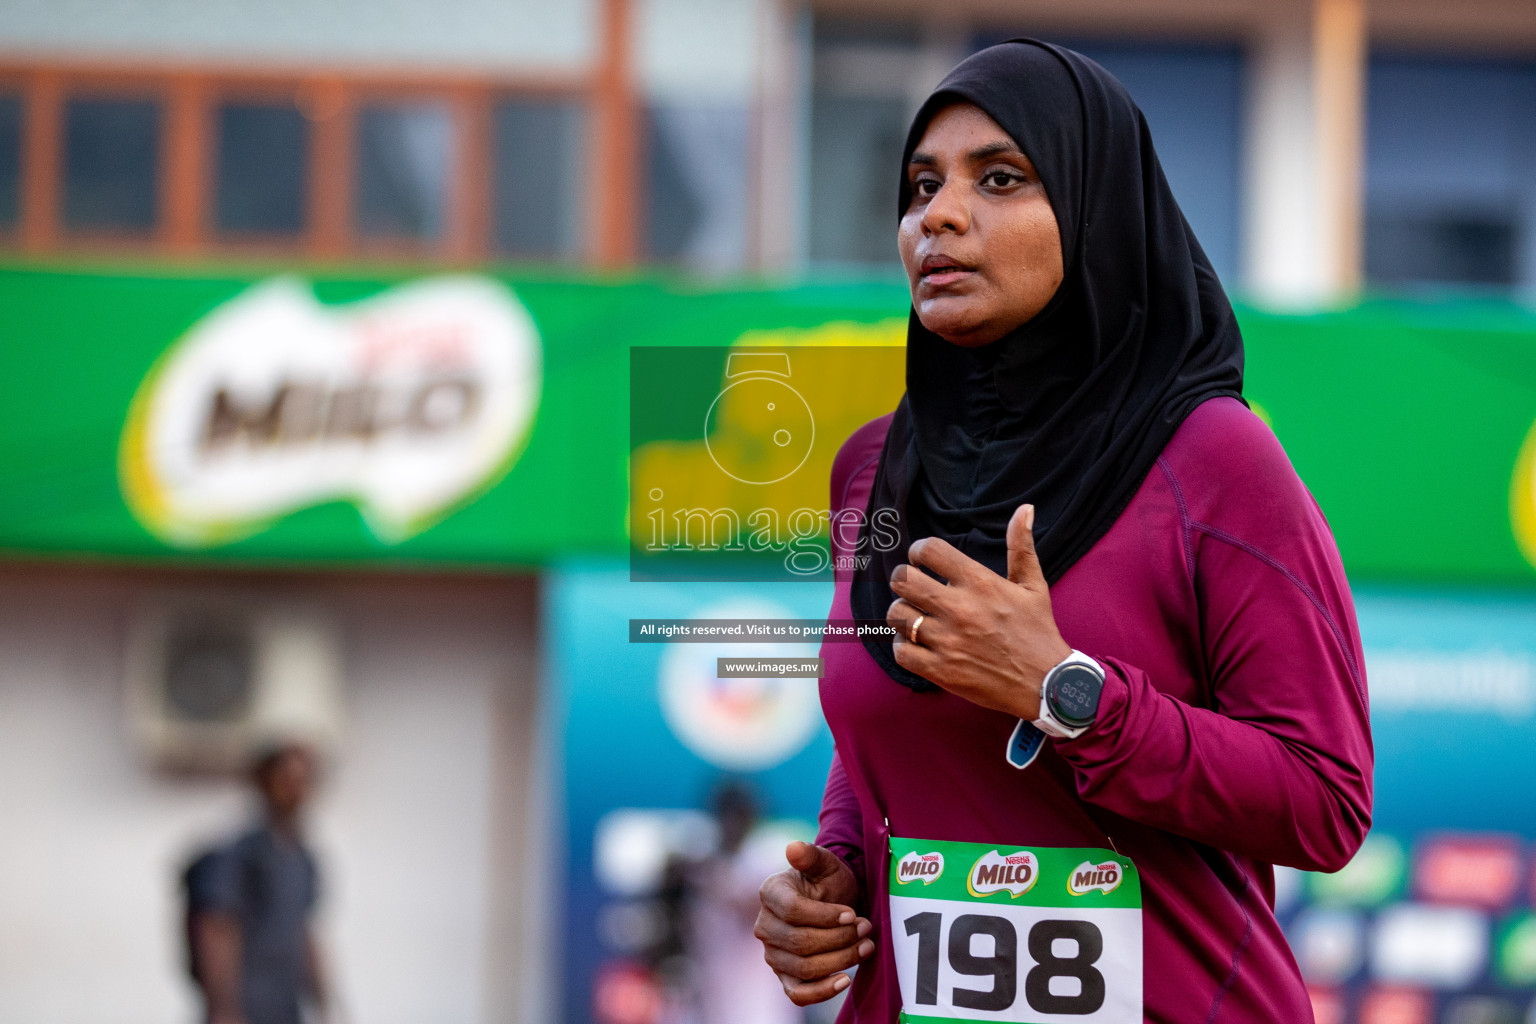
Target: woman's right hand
x: 808, y: 926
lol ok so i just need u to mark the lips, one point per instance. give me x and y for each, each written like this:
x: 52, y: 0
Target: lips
x: 942, y: 272
x: 937, y: 265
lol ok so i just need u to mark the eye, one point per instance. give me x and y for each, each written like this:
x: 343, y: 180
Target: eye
x: 926, y: 185
x: 1001, y: 178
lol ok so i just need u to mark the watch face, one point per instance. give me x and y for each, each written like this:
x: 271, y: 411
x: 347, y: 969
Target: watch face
x: 1074, y: 694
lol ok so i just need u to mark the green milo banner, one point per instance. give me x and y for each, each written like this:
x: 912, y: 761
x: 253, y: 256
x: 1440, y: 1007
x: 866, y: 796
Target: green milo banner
x: 1034, y: 935
x: 457, y: 420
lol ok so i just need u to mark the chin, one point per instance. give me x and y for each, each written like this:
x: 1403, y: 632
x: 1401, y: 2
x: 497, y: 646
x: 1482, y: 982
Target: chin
x: 958, y: 326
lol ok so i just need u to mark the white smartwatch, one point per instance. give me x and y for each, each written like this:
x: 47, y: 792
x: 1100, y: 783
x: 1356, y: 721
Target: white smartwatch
x: 1069, y: 697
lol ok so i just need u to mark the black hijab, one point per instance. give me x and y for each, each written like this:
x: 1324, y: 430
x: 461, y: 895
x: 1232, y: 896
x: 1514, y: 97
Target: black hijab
x: 1070, y: 410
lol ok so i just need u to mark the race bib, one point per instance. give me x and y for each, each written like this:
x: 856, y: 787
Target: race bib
x: 1036, y: 935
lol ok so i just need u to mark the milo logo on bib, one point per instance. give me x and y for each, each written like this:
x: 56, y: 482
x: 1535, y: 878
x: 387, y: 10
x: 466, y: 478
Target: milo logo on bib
x: 1035, y: 935
x: 1088, y: 877
x: 920, y: 867
x: 1013, y: 873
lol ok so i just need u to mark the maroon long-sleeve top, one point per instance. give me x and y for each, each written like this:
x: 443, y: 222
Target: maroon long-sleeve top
x: 1232, y: 733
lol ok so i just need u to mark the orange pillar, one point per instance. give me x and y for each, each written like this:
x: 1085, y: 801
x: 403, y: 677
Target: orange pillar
x: 1339, y: 42
x: 42, y: 162
x: 469, y: 203
x: 327, y: 103
x: 1306, y: 154
x: 614, y: 229
x: 184, y: 182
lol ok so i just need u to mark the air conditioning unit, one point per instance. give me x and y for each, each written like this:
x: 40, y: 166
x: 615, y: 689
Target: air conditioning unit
x: 211, y: 681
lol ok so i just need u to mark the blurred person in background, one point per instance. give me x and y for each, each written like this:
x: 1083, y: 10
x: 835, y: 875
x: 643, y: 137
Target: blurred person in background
x: 728, y: 980
x: 1074, y: 377
x: 252, y: 952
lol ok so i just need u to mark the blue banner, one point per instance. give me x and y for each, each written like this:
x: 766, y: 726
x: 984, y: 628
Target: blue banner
x: 650, y: 738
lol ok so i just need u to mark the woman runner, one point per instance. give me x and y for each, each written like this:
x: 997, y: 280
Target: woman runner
x: 1126, y: 679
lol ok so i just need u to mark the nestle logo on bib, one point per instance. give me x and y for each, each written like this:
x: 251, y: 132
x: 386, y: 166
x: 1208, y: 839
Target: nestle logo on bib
x: 1088, y: 877
x: 1013, y: 873
x: 923, y: 867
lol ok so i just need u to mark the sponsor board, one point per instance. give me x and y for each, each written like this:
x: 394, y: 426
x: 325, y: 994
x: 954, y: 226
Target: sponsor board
x: 85, y: 343
x: 1522, y: 497
x: 731, y: 478
x: 406, y: 404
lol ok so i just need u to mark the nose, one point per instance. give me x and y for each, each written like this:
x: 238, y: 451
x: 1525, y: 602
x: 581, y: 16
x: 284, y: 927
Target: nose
x: 947, y: 210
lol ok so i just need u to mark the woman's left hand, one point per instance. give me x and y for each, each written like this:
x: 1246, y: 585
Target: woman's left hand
x: 988, y: 639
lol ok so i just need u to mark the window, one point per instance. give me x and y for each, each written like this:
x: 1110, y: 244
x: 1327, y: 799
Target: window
x: 1450, y: 190
x: 10, y: 161
x: 111, y: 164
x: 696, y: 174
x: 404, y: 161
x: 864, y: 91
x: 1192, y: 97
x: 855, y: 152
x: 868, y: 82
x: 537, y: 183
x: 1425, y: 246
x: 261, y: 166
x: 309, y: 165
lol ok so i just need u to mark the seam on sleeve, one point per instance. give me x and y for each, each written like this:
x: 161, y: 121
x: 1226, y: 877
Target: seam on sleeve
x: 1237, y: 951
x: 1307, y: 592
x: 848, y: 484
x: 1186, y: 530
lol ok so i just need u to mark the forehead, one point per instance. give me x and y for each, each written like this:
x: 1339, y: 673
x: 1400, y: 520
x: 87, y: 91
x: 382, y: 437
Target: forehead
x: 959, y: 128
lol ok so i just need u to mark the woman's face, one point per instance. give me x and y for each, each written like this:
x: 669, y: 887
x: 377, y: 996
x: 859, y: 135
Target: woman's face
x: 979, y: 241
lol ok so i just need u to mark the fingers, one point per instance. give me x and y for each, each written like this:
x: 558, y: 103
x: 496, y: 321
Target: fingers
x: 808, y: 942
x: 944, y: 558
x: 917, y: 588
x: 782, y: 897
x: 900, y: 616
x: 806, y: 993
x: 1023, y: 563
x: 919, y: 659
x: 812, y: 968
x: 915, y: 657
x: 800, y: 941
x: 815, y: 863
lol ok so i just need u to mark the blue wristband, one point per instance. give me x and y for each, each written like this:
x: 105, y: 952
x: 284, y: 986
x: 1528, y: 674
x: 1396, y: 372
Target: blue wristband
x: 1024, y: 745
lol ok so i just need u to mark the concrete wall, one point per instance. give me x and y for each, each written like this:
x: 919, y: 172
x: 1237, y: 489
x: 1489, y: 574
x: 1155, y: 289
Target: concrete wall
x: 422, y: 829
x: 456, y: 35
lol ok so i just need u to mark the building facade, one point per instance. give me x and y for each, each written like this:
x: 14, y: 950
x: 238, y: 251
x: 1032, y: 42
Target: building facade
x: 1319, y: 147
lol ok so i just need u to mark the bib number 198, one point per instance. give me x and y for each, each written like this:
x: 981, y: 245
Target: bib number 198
x: 1014, y: 935
x: 1002, y: 964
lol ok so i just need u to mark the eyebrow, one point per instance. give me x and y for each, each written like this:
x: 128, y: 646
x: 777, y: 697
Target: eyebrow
x: 981, y: 153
